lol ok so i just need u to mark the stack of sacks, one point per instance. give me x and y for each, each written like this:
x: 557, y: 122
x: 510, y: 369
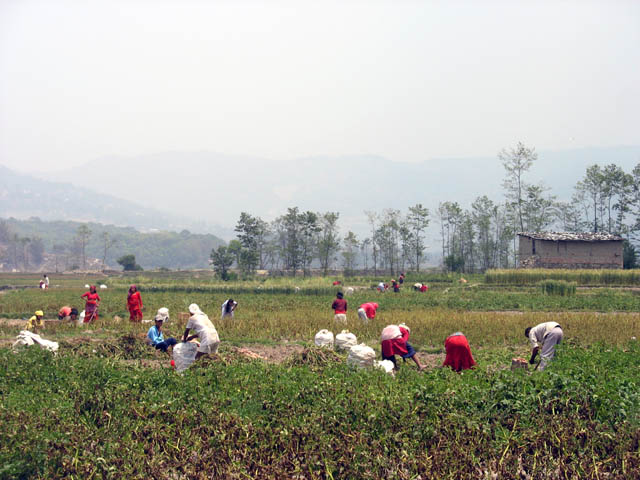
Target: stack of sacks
x: 27, y: 338
x: 345, y: 340
x: 361, y: 356
x: 324, y: 338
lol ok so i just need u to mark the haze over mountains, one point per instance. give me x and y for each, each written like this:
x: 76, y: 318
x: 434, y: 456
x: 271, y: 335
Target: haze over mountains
x: 202, y: 190
x: 23, y: 196
x: 214, y: 188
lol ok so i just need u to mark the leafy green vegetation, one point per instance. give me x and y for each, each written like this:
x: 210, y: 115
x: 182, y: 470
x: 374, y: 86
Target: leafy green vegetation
x: 109, y: 406
x: 86, y: 417
x: 558, y: 287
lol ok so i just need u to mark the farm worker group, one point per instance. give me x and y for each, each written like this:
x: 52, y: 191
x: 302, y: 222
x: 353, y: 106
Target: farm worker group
x: 204, y: 331
x: 545, y: 337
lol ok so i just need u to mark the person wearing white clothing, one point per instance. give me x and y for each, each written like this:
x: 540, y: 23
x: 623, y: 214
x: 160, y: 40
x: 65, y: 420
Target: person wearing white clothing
x: 204, y: 330
x: 545, y: 337
x: 228, y: 308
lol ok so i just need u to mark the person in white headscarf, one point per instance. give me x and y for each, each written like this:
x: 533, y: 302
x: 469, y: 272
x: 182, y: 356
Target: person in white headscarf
x: 204, y: 331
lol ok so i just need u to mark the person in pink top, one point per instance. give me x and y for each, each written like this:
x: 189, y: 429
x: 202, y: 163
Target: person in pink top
x: 367, y: 311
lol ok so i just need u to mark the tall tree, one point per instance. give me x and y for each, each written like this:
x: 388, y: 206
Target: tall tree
x: 372, y: 218
x: 83, y: 233
x: 252, y: 232
x: 418, y: 221
x: 592, y: 186
x: 221, y: 259
x: 58, y: 249
x: 309, y: 230
x: 517, y: 161
x: 350, y: 253
x: 364, y: 248
x: 107, y: 243
x: 329, y: 241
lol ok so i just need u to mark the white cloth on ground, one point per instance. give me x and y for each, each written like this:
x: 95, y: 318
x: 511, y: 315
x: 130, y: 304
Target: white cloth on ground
x: 27, y: 338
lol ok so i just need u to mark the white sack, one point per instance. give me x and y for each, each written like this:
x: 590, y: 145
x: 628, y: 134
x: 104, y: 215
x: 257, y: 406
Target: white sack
x: 345, y: 340
x: 324, y: 338
x: 184, y: 354
x: 361, y: 356
x: 390, y: 332
x: 87, y: 286
x: 386, y: 365
x: 103, y: 287
x: 349, y: 291
x: 80, y: 319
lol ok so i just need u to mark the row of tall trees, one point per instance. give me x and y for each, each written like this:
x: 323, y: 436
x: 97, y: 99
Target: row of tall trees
x: 302, y: 240
x: 20, y: 252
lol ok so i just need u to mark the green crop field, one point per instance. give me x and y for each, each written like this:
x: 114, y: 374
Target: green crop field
x: 108, y: 406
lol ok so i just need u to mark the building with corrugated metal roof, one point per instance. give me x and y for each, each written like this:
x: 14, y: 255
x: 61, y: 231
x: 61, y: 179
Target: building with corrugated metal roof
x: 569, y: 250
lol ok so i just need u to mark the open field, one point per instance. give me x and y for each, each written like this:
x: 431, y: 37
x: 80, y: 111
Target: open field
x: 108, y: 406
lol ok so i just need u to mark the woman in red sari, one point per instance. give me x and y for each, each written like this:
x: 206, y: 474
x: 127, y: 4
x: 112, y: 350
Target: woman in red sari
x: 458, y: 352
x: 91, y: 305
x: 134, y: 304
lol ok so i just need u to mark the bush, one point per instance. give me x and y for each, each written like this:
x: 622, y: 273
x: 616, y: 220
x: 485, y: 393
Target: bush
x: 558, y: 287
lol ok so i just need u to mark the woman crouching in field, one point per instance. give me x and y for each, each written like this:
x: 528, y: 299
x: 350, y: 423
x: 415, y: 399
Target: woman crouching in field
x: 458, y: 353
x: 395, y: 341
x: 205, y: 331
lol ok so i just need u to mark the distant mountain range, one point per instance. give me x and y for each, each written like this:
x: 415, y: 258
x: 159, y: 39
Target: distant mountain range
x: 215, y: 188
x: 200, y: 191
x: 23, y: 196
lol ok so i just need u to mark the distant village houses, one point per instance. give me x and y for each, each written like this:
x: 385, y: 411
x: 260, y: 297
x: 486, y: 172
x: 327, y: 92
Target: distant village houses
x: 569, y: 250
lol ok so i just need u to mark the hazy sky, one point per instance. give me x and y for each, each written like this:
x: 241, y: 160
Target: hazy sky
x: 406, y: 80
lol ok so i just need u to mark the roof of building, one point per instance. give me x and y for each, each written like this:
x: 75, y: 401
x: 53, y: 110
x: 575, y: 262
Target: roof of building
x: 572, y: 237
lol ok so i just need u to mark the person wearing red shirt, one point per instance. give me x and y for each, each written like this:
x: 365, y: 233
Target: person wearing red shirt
x: 424, y: 288
x: 458, y: 352
x: 339, y: 306
x: 134, y: 304
x: 367, y: 311
x: 91, y: 305
x: 395, y: 341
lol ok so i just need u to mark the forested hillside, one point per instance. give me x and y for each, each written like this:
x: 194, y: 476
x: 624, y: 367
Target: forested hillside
x: 24, y: 245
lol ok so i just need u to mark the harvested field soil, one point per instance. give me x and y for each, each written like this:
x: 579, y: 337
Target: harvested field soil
x: 273, y: 353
